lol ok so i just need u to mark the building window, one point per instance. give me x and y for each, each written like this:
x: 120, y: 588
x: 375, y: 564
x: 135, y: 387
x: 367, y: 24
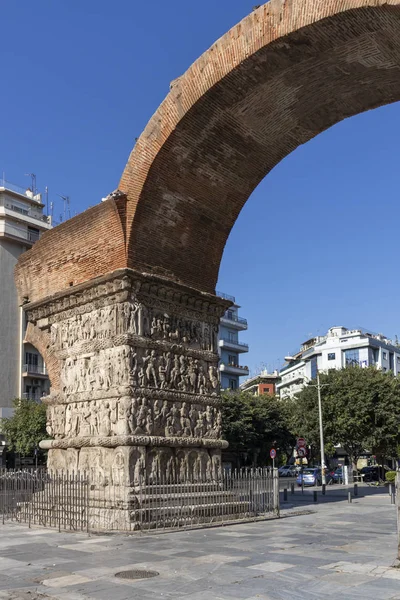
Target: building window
x: 33, y: 234
x: 384, y: 355
x: 314, y: 368
x: 233, y: 384
x: 232, y: 336
x: 331, y: 356
x: 31, y: 359
x: 352, y: 357
x: 229, y: 314
x: 232, y: 359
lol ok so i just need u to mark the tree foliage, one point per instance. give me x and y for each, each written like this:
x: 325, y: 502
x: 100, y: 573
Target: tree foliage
x: 26, y: 428
x: 254, y: 424
x: 361, y: 410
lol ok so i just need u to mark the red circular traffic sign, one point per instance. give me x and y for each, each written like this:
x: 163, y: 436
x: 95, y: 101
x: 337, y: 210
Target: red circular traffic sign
x: 301, y: 443
x: 301, y: 452
x: 272, y: 453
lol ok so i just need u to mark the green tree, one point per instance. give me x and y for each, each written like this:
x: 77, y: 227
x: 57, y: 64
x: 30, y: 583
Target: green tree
x: 26, y: 428
x: 361, y: 410
x: 254, y: 424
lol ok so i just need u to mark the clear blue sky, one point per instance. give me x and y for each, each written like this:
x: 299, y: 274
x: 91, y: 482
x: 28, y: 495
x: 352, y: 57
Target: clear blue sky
x: 317, y: 243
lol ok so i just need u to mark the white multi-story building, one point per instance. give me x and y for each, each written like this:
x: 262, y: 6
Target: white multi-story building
x: 338, y: 349
x: 22, y: 222
x: 230, y: 347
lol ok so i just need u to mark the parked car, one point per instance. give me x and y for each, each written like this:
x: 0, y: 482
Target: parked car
x: 337, y: 475
x: 310, y: 476
x: 370, y: 473
x: 287, y: 471
x: 313, y: 476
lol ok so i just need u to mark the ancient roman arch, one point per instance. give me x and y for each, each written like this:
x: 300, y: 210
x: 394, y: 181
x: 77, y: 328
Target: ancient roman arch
x: 123, y: 295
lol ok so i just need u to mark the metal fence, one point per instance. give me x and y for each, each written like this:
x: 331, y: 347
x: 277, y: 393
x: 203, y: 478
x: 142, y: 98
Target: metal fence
x: 77, y: 502
x: 36, y: 497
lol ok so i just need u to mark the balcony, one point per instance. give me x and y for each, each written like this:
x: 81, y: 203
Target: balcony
x: 233, y: 345
x: 225, y: 296
x: 34, y: 371
x: 234, y: 321
x: 17, y: 232
x: 232, y: 369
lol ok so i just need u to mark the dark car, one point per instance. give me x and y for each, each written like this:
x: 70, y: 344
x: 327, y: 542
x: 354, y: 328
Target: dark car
x: 370, y: 473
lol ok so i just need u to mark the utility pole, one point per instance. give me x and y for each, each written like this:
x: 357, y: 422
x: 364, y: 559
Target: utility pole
x: 321, y: 431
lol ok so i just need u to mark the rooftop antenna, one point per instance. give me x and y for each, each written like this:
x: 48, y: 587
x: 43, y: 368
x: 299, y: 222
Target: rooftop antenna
x: 67, y: 210
x: 46, y: 189
x: 33, y: 182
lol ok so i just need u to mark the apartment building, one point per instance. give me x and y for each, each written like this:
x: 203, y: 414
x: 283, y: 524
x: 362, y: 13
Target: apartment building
x: 339, y: 348
x: 230, y: 347
x: 22, y: 222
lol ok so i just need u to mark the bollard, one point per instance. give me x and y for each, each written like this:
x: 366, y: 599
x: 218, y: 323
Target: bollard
x: 355, y: 489
x: 323, y: 489
x: 390, y: 489
x: 315, y: 496
x: 292, y: 488
x: 349, y: 498
x: 392, y: 498
x: 285, y: 494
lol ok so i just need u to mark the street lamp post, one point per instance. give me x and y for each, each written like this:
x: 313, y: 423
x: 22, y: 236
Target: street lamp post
x: 321, y: 432
x: 321, y: 429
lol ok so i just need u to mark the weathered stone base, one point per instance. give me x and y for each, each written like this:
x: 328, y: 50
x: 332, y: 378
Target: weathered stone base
x: 131, y: 488
x: 135, y: 466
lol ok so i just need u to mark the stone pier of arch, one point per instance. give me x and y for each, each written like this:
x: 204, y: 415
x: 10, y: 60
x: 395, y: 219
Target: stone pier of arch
x: 138, y: 401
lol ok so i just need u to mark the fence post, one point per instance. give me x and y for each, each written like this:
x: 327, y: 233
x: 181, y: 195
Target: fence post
x: 275, y: 479
x: 285, y: 494
x: 355, y: 489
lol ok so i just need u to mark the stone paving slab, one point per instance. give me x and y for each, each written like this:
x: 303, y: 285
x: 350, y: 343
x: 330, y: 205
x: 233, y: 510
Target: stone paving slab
x: 327, y: 550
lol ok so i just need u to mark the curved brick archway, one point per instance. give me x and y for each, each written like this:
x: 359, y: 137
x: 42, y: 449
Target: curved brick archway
x: 285, y: 73
x: 41, y: 340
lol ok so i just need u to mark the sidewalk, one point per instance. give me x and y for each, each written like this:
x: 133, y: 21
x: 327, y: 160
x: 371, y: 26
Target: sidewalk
x: 335, y: 550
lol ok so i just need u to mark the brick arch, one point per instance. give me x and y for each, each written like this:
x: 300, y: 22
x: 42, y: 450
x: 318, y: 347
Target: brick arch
x: 285, y: 73
x: 41, y: 340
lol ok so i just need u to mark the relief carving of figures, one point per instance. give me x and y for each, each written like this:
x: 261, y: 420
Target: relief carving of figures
x: 104, y: 422
x: 173, y: 371
x: 149, y: 366
x: 144, y: 422
x: 55, y: 424
x: 172, y: 428
x: 75, y: 420
x: 85, y: 414
x: 157, y: 419
x: 182, y: 466
x: 153, y: 466
x: 176, y: 329
x: 93, y: 419
x: 108, y: 369
x: 186, y: 426
x: 124, y: 424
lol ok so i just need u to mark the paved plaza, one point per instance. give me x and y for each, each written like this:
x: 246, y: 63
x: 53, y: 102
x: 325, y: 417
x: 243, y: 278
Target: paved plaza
x: 330, y: 550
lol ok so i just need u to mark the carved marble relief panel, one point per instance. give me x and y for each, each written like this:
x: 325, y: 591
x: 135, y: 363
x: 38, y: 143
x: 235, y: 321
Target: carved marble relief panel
x: 135, y: 417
